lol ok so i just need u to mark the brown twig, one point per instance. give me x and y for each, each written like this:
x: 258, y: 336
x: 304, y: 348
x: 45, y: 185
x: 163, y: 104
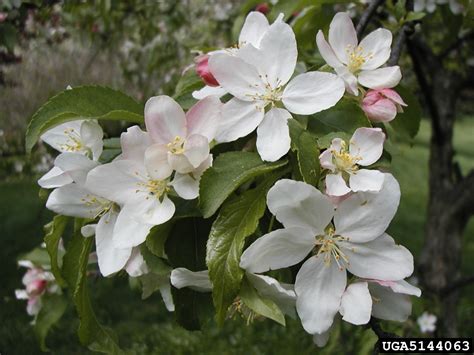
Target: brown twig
x: 381, y: 334
x: 406, y: 30
x: 367, y: 16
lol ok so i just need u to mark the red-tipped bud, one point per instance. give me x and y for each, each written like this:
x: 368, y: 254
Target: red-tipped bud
x: 264, y: 8
x: 202, y: 69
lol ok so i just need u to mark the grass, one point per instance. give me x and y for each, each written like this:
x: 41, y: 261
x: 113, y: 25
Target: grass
x: 144, y: 327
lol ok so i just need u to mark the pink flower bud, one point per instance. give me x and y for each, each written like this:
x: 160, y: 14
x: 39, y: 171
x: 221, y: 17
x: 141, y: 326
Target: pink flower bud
x: 382, y: 105
x: 3, y: 16
x: 202, y: 69
x: 36, y: 287
x: 264, y: 8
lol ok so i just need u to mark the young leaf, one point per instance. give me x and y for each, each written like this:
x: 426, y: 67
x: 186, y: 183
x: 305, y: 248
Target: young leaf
x: 229, y: 171
x: 53, y: 308
x: 54, y: 231
x: 93, y: 102
x: 237, y: 220
x: 260, y: 305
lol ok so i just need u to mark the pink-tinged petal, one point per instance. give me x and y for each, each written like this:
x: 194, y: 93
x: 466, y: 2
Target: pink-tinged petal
x: 356, y: 304
x: 156, y: 161
x: 365, y: 215
x: 195, y: 280
x: 164, y: 119
x: 325, y: 159
x: 110, y: 259
x: 366, y: 180
x: 54, y: 178
x: 202, y: 69
x: 393, y: 95
x: 273, y: 135
x: 236, y: 76
x: 319, y: 288
x: 255, y: 25
x: 376, y: 46
x: 180, y: 163
x: 380, y: 78
x: 312, y: 92
x: 390, y: 305
x: 342, y: 35
x: 134, y: 142
x: 196, y: 150
x: 279, y: 54
x: 204, y: 117
x: 367, y: 145
x: 297, y: 204
x: 278, y: 249
x: 336, y: 185
x: 380, y: 258
x: 326, y: 51
x: 136, y: 265
x: 384, y: 110
x: 239, y: 118
x: 209, y: 91
x: 186, y: 186
x: 350, y: 80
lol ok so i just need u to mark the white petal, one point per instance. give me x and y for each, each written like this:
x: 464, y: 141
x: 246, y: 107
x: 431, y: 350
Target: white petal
x: 255, y: 25
x: 57, y: 137
x: 312, y: 92
x: 164, y: 119
x: 180, y: 163
x: 367, y: 144
x: 209, y: 91
x: 381, y: 78
x: 134, y: 143
x: 136, y: 265
x: 88, y: 230
x: 239, y: 118
x: 236, y: 76
x: 277, y: 249
x: 91, y: 137
x: 389, y: 305
x: 322, y: 339
x: 364, y: 215
x: 356, y: 304
x: 165, y: 291
x: 325, y: 159
x: 77, y: 166
x: 297, y: 204
x: 326, y: 51
x: 196, y: 150
x: 335, y: 185
x: 150, y: 210
x: 350, y: 80
x: 203, y: 117
x: 279, y: 54
x: 156, y: 161
x: 319, y: 288
x: 54, y: 178
x: 366, y: 180
x: 380, y: 259
x: 376, y: 45
x: 273, y: 135
x: 196, y: 280
x: 110, y: 259
x: 128, y: 231
x: 186, y: 186
x: 21, y: 295
x: 400, y: 286
x: 75, y: 201
x: 341, y: 35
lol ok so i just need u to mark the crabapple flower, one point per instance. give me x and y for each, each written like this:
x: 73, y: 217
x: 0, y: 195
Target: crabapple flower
x: 382, y: 105
x: 365, y: 148
x: 351, y: 238
x: 259, y: 78
x: 430, y: 5
x: 282, y: 294
x: 37, y: 282
x: 255, y: 26
x: 181, y: 141
x: 358, y: 63
x: 427, y: 322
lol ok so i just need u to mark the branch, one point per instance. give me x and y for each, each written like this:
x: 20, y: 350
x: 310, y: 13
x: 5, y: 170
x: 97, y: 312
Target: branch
x: 375, y: 326
x: 463, y: 195
x: 367, y: 15
x: 462, y: 282
x: 406, y: 30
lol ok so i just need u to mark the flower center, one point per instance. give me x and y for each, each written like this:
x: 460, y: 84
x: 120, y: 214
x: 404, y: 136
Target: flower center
x: 327, y: 244
x: 357, y: 57
x: 344, y: 161
x: 104, y: 206
x: 272, y: 95
x: 73, y: 143
x: 155, y: 188
x: 176, y: 146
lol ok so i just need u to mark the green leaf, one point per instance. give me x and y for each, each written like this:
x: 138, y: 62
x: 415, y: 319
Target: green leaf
x: 346, y: 116
x: 52, y: 309
x: 8, y: 36
x: 37, y: 256
x: 229, y: 171
x: 260, y: 305
x: 53, y: 233
x: 414, y: 16
x: 408, y: 122
x: 158, y: 276
x: 91, y: 333
x: 156, y: 239
x: 92, y: 102
x: 325, y: 141
x: 307, y: 152
x: 237, y: 220
x: 188, y: 83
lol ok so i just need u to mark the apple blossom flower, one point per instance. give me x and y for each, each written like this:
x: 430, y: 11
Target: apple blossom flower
x: 181, y: 141
x: 358, y: 63
x: 430, y: 5
x: 365, y: 148
x: 259, y: 78
x: 280, y: 293
x: 3, y: 16
x: 382, y: 105
x: 351, y: 238
x: 427, y: 322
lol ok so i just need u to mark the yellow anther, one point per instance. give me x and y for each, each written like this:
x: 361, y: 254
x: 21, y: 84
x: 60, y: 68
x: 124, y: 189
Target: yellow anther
x: 176, y: 146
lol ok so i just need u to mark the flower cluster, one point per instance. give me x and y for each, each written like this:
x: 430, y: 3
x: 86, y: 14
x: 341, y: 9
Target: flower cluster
x: 333, y: 232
